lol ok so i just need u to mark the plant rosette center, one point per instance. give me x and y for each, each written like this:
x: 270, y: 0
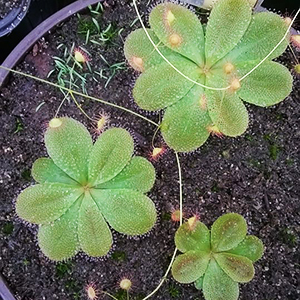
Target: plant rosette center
x: 190, y: 60
x: 83, y: 187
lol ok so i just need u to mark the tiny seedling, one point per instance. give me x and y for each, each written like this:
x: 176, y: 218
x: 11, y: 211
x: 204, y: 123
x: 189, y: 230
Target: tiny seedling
x: 89, y: 25
x: 216, y: 260
x: 83, y: 186
x: 72, y: 69
x: 200, y: 74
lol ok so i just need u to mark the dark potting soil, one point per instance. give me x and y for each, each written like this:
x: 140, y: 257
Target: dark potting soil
x: 256, y: 175
x: 6, y: 7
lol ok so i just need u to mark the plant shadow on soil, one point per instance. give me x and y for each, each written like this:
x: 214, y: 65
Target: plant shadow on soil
x: 256, y: 175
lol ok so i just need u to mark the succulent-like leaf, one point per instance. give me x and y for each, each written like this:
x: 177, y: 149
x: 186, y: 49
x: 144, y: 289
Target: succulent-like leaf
x: 44, y: 203
x: 179, y: 29
x: 59, y: 240
x: 69, y: 144
x: 45, y: 170
x: 198, y: 238
x: 138, y: 175
x: 269, y: 84
x: 93, y: 232
x: 199, y: 283
x: 217, y: 285
x: 227, y: 24
x: 251, y: 247
x: 239, y: 268
x: 127, y: 211
x: 152, y: 94
x: 227, y: 232
x: 227, y: 112
x: 184, y: 127
x: 140, y: 52
x: 110, y: 154
x: 190, y: 266
x: 264, y: 33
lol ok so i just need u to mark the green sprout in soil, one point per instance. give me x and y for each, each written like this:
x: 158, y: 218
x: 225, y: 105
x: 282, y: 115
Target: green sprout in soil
x: 83, y: 186
x: 216, y: 260
x: 8, y: 228
x: 201, y: 76
x: 73, y: 69
x: 109, y: 72
x: 19, y: 125
x: 92, y: 30
x: 89, y: 25
x: 119, y: 256
x: 174, y: 291
x: 63, y: 269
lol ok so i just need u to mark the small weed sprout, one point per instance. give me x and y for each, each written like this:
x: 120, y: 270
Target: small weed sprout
x: 73, y: 69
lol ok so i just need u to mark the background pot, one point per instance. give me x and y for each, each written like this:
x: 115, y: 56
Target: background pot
x: 13, y: 18
x: 38, y: 11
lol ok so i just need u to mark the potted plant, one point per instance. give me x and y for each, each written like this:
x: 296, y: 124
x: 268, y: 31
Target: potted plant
x: 79, y: 74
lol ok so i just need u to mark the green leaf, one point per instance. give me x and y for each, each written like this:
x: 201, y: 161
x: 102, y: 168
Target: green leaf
x: 59, y: 240
x: 44, y: 203
x: 269, y: 84
x: 251, y: 247
x: 140, y: 52
x: 227, y: 24
x: 93, y: 232
x: 227, y: 112
x: 45, y: 170
x: 227, y: 232
x: 239, y: 268
x: 179, y: 29
x: 138, y: 175
x: 69, y: 144
x: 264, y: 33
x: 161, y: 86
x: 127, y: 211
x: 188, y: 267
x: 199, y: 283
x: 217, y: 285
x: 110, y: 154
x: 196, y: 239
x: 184, y: 127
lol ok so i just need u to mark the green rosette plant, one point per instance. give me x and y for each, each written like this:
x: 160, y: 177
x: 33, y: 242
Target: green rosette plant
x: 217, y: 260
x: 83, y: 186
x: 217, y: 55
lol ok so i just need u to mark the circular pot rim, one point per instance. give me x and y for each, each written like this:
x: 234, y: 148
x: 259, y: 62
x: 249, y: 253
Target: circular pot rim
x: 13, y: 18
x: 29, y: 40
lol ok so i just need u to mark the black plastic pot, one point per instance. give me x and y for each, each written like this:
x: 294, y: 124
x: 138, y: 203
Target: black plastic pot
x: 13, y: 19
x: 39, y: 10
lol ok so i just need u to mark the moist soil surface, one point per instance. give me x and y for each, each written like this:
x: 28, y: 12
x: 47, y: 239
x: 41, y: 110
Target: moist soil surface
x: 6, y: 7
x: 256, y: 175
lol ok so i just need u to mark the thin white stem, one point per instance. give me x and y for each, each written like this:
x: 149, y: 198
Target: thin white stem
x: 80, y: 94
x: 180, y: 187
x: 164, y: 277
